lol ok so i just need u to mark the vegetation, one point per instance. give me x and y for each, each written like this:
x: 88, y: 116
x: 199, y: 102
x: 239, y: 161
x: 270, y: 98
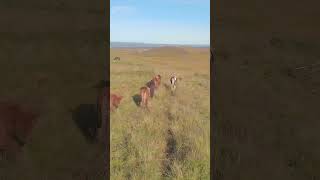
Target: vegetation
x: 172, y: 141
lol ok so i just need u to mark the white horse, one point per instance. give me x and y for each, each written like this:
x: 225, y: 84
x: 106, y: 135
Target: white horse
x: 173, y: 82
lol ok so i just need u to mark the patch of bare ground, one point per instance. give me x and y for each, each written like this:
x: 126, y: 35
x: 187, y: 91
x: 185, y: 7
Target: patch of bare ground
x: 170, y: 151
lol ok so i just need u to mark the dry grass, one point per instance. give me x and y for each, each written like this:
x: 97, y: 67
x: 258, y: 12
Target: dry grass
x: 172, y: 141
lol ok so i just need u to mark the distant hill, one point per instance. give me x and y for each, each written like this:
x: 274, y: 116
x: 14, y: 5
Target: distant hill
x: 165, y: 51
x: 148, y: 45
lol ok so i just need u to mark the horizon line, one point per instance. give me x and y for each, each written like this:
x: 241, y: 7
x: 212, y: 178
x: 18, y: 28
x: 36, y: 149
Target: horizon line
x: 161, y: 43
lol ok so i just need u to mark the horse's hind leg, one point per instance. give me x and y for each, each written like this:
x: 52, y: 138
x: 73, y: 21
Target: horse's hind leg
x: 142, y: 102
x: 147, y: 104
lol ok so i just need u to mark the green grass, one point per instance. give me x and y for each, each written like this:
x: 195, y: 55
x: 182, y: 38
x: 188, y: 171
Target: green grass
x: 139, y: 139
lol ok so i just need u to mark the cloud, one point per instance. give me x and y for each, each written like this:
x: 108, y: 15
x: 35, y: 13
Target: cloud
x: 122, y: 10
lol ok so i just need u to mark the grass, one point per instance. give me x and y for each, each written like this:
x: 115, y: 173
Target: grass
x: 172, y: 140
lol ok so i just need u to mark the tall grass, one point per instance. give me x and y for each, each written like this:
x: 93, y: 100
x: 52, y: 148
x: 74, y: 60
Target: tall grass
x: 172, y: 140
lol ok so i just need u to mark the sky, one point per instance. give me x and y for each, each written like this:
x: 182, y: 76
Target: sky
x: 160, y: 21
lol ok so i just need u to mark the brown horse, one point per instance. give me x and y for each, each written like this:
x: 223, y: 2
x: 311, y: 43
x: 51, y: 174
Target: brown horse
x: 114, y: 100
x: 157, y: 80
x: 152, y: 87
x: 154, y: 84
x: 144, y: 94
x: 103, y: 98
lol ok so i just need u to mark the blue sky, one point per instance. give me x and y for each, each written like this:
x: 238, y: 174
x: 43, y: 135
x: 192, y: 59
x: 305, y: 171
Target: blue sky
x: 160, y: 21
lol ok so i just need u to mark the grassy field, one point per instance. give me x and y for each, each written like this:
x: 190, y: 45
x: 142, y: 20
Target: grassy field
x: 172, y: 141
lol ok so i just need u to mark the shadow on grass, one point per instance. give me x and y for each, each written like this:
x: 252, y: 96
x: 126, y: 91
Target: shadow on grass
x: 86, y: 118
x: 137, y: 99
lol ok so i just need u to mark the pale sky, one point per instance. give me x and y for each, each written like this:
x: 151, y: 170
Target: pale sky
x: 160, y: 21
